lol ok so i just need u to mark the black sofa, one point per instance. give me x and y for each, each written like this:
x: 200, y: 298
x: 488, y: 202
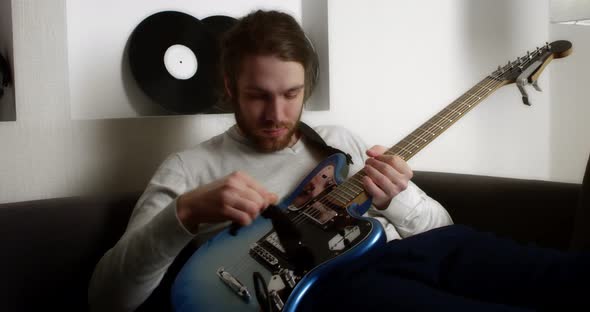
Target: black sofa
x: 49, y: 247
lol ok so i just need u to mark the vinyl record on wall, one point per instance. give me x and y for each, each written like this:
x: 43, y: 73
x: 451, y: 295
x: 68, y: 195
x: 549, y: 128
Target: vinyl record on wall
x: 218, y: 24
x: 173, y: 59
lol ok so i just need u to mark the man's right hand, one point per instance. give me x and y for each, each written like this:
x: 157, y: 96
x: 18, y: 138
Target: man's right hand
x: 236, y: 197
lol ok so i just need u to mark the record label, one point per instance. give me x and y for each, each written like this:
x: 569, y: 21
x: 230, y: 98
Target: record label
x: 180, y: 61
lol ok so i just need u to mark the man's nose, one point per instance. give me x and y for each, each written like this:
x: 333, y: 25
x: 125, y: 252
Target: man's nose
x: 273, y: 109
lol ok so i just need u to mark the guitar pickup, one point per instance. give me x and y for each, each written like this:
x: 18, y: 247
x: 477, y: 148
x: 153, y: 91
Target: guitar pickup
x: 342, y: 240
x: 261, y: 253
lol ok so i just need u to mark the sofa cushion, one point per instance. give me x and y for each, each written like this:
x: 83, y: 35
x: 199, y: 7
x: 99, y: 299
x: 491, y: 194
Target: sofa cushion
x: 581, y: 236
x: 50, y: 247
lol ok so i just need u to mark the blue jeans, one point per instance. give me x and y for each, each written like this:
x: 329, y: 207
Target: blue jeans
x: 456, y: 268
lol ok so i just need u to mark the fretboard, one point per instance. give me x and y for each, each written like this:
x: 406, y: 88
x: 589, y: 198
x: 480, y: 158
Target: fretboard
x: 409, y: 146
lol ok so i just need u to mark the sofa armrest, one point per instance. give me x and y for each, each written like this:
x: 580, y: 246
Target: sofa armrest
x: 528, y: 211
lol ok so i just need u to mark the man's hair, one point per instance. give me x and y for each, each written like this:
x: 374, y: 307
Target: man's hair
x: 270, y: 33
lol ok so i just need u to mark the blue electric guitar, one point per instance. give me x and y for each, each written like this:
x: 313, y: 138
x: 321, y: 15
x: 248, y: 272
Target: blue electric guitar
x: 323, y: 229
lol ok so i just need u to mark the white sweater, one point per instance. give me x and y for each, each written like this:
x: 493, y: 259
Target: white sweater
x: 129, y: 272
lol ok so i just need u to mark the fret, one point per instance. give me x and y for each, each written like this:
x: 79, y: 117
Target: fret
x: 347, y: 192
x: 472, y: 95
x: 418, y: 137
x: 452, y: 110
x: 435, y: 124
x: 344, y: 198
x: 429, y: 133
x: 410, y: 143
x: 438, y: 124
x: 444, y: 117
x: 356, y: 180
x: 397, y: 152
x: 332, y: 198
x: 467, y: 105
x: 484, y: 85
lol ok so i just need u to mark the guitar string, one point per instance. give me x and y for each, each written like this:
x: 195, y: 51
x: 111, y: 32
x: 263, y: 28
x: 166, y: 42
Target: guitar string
x: 442, y: 120
x: 474, y: 97
x: 458, y: 108
x: 471, y: 99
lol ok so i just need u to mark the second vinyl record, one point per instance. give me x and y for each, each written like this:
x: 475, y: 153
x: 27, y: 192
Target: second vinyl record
x: 172, y: 57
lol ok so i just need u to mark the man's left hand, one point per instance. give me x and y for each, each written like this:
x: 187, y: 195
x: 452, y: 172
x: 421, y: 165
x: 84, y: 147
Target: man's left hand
x: 386, y: 176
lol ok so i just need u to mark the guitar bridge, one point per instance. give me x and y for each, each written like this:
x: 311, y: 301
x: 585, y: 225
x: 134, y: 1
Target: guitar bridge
x: 259, y: 252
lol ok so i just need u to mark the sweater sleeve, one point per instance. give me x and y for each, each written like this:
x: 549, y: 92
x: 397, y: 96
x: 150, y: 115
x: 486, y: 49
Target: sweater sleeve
x: 127, y: 274
x: 412, y: 211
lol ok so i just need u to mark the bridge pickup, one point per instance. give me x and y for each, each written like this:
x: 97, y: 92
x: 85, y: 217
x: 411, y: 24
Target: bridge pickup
x: 261, y: 253
x: 320, y: 213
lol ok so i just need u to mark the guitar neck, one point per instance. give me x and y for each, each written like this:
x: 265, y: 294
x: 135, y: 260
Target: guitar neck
x: 352, y: 190
x: 436, y: 125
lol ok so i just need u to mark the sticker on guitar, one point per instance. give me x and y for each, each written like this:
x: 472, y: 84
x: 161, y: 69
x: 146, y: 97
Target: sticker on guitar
x: 317, y: 209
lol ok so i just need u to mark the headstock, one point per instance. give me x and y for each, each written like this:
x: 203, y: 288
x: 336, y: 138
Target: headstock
x: 527, y: 69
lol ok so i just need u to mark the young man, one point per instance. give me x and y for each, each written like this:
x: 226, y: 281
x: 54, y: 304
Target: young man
x: 269, y: 70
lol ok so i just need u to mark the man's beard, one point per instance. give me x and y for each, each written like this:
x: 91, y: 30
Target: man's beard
x: 263, y: 143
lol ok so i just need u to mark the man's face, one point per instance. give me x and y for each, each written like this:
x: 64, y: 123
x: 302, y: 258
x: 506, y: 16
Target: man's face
x: 270, y: 101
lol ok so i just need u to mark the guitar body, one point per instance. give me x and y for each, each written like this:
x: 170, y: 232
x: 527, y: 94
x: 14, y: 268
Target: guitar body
x: 335, y: 235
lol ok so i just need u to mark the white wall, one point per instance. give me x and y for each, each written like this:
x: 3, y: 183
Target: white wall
x: 570, y: 106
x: 396, y: 63
x: 569, y: 10
x: 392, y: 65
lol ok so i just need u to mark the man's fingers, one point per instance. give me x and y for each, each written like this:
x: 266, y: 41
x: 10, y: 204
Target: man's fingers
x: 376, y: 150
x: 399, y: 165
x: 382, y: 181
x: 238, y: 216
x: 371, y: 188
x: 272, y: 198
x: 249, y: 182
